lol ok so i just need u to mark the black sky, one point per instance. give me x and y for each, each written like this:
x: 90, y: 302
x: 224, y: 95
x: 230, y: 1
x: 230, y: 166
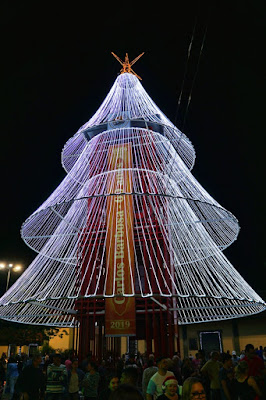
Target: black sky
x: 57, y: 69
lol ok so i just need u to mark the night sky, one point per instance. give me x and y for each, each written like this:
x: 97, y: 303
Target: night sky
x: 57, y: 69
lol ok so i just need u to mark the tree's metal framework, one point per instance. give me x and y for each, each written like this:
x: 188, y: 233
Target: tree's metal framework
x: 179, y: 230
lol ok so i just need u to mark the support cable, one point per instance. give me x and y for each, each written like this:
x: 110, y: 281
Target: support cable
x: 185, y: 73
x: 192, y: 86
x: 195, y: 76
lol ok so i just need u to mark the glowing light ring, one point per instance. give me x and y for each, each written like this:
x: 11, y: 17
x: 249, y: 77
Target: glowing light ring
x: 193, y: 227
x: 209, y: 214
x: 126, y: 98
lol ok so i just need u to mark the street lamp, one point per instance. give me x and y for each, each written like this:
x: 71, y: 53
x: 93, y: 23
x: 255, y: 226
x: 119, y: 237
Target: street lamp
x: 9, y: 267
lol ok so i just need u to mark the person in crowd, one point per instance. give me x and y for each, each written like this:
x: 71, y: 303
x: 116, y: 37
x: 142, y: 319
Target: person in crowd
x: 246, y: 386
x: 187, y: 369
x: 11, y: 375
x: 85, y: 361
x: 264, y: 354
x: 259, y: 352
x: 90, y: 382
x: 150, y: 357
x: 202, y: 357
x: 129, y: 376
x: 126, y: 392
x: 103, y: 371
x: 75, y: 378
x: 2, y: 372
x: 255, y: 363
x: 29, y: 359
x: 119, y: 367
x: 197, y: 363
x: 112, y: 386
x: 57, y: 379
x: 47, y: 361
x: 68, y: 364
x: 31, y: 381
x: 193, y: 389
x: 211, y: 370
x: 170, y: 389
x: 147, y: 374
x: 176, y: 367
x: 131, y: 362
x: 235, y: 358
x: 226, y: 378
x: 19, y: 362
x: 155, y: 384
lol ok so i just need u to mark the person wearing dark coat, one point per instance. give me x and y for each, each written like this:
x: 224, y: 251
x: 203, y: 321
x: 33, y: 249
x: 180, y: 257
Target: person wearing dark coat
x: 31, y: 381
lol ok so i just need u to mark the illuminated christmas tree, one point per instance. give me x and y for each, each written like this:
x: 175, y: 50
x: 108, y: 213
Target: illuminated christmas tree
x: 129, y: 239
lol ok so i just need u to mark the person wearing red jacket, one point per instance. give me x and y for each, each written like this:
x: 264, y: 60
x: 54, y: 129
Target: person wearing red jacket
x: 255, y: 363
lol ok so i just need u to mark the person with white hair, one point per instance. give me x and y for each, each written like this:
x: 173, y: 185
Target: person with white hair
x: 235, y: 358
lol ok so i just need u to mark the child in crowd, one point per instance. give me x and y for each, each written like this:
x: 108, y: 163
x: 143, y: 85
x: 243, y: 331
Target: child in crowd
x: 170, y: 389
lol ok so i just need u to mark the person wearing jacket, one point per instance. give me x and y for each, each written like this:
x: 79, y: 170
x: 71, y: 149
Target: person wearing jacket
x: 91, y: 381
x: 31, y: 381
x: 12, y: 375
x: 75, y: 378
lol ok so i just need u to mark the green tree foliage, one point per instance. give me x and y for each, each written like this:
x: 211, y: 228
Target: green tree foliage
x: 21, y: 334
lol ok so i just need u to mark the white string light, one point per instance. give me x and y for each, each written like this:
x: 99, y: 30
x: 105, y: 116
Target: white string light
x: 179, y: 230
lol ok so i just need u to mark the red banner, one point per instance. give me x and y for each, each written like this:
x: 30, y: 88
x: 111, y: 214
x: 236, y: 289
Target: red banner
x: 120, y: 314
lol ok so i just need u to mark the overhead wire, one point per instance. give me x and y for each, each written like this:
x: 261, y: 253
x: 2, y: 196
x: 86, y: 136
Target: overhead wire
x: 183, y: 85
x: 195, y: 76
x: 185, y: 72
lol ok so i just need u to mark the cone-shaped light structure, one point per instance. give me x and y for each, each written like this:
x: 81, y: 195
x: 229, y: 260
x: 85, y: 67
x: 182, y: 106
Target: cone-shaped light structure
x: 175, y: 232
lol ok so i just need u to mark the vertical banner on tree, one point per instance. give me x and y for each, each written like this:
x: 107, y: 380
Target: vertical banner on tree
x: 120, y: 313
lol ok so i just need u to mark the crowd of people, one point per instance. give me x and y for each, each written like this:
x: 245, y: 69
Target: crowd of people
x: 221, y: 376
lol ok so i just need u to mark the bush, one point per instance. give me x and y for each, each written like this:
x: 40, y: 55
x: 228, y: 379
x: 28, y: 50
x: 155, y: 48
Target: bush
x: 46, y: 349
